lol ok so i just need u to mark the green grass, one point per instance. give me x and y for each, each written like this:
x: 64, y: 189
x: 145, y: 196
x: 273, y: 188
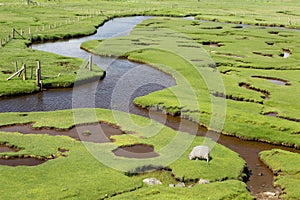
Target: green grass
x: 88, y: 169
x: 83, y: 177
x: 287, y: 168
x: 57, y: 71
x: 79, y: 175
x: 222, y: 190
x: 166, y: 50
x: 52, y: 20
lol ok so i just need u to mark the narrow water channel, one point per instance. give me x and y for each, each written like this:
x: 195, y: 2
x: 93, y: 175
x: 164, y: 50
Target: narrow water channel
x: 261, y: 178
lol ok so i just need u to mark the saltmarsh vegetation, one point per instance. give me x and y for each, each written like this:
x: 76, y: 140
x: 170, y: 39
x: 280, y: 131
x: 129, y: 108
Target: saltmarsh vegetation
x: 228, y: 46
x: 287, y: 169
x: 232, y: 51
x: 65, y: 176
x: 52, y: 20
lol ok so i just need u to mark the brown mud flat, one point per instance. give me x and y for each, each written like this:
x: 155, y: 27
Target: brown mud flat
x: 136, y: 151
x: 275, y: 114
x: 263, y: 54
x: 277, y: 81
x: 247, y: 86
x: 25, y: 160
x: 235, y: 98
x: 5, y: 148
x: 96, y: 132
x: 230, y: 55
x: 212, y: 44
x: 14, y: 162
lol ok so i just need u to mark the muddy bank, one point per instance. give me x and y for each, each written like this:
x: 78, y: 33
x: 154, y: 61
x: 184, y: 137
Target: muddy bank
x: 14, y: 162
x: 5, y: 148
x: 265, y: 93
x: 275, y: 114
x: 97, y: 132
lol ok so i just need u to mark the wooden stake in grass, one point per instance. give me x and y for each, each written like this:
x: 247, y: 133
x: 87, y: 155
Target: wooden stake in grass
x: 38, y: 74
x: 90, y: 62
x: 13, y: 33
x: 16, y: 73
x: 31, y: 72
x: 24, y: 72
x: 16, y: 65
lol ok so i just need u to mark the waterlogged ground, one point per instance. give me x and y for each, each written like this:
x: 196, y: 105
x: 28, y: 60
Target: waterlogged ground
x: 249, y: 93
x: 259, y: 68
x: 83, y: 161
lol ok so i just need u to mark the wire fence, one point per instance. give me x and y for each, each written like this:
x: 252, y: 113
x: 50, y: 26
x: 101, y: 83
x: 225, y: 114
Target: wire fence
x: 82, y: 15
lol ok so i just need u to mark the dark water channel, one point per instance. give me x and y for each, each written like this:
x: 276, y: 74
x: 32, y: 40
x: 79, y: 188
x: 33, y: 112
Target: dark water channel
x: 147, y: 79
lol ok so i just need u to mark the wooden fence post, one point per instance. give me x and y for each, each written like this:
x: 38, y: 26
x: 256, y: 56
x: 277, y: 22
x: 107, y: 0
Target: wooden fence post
x: 16, y: 73
x: 38, y: 74
x: 13, y: 33
x: 31, y: 72
x: 24, y: 72
x: 90, y: 62
x: 16, y: 64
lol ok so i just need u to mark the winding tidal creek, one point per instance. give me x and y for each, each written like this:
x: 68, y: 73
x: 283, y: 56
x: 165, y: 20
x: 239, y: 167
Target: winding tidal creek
x: 260, y: 177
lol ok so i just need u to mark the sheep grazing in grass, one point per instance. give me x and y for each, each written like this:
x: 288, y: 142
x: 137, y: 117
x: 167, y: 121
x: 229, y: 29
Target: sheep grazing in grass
x: 200, y: 152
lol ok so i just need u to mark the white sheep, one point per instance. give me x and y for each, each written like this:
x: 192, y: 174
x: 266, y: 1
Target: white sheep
x: 200, y: 152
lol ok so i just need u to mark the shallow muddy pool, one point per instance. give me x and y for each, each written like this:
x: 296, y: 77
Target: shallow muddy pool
x: 14, y: 162
x: 136, y: 151
x: 96, y: 132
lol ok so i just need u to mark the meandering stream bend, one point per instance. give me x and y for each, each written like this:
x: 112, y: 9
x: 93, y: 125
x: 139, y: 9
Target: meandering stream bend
x: 261, y: 178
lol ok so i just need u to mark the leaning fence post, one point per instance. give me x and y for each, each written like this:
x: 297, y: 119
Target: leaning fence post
x: 90, y: 62
x: 38, y: 74
x: 16, y: 64
x: 24, y: 72
x: 31, y: 72
x: 13, y: 33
